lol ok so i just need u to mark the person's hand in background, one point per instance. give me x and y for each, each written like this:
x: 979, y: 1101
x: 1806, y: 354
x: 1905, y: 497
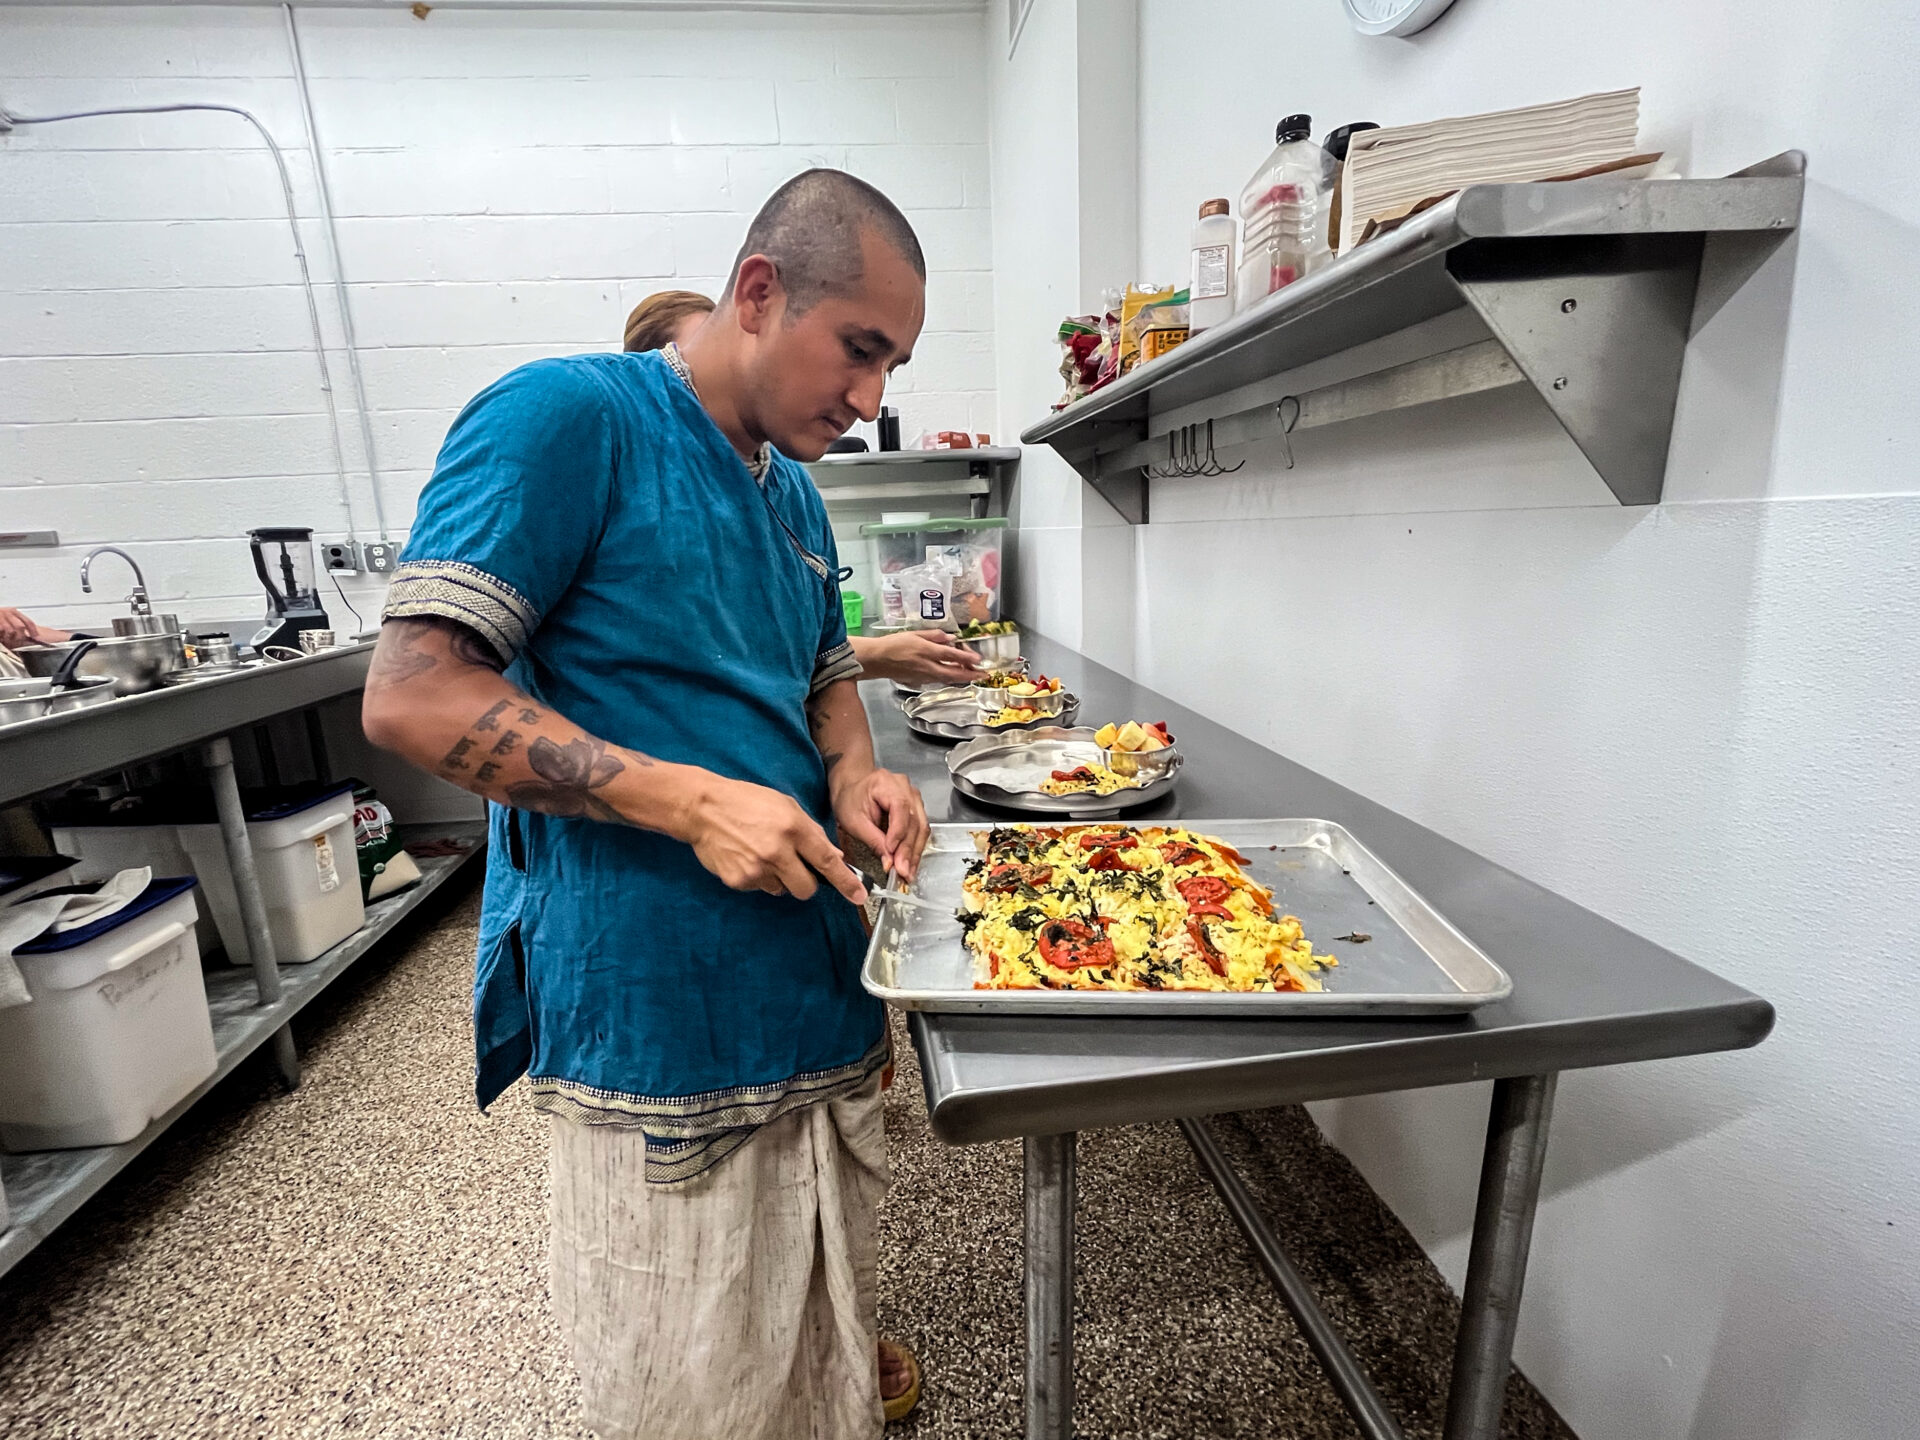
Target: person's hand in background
x: 17, y: 629
x: 917, y: 657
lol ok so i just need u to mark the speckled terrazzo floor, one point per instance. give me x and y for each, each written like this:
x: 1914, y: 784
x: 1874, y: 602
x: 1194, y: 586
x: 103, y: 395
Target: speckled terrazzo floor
x: 365, y: 1257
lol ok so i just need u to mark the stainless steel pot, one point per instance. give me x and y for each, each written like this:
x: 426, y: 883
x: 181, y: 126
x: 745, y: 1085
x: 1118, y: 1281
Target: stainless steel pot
x: 135, y: 663
x: 30, y: 699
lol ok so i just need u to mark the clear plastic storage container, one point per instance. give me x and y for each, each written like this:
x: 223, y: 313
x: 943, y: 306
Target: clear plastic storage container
x: 936, y: 574
x: 1281, y: 235
x: 117, y: 1032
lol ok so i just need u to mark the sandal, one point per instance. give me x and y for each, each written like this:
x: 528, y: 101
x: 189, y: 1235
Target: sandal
x: 902, y: 1404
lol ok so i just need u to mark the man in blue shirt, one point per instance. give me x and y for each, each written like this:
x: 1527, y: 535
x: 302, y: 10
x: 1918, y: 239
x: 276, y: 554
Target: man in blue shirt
x: 617, y: 618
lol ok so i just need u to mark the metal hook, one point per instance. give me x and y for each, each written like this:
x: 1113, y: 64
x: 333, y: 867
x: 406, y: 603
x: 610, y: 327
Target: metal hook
x: 1287, y: 422
x: 1214, y: 467
x: 1169, y: 471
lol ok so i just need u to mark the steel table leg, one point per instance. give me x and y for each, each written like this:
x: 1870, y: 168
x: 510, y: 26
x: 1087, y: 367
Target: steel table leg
x: 1050, y: 1196
x: 1497, y: 1265
x: 1344, y: 1373
x: 246, y: 886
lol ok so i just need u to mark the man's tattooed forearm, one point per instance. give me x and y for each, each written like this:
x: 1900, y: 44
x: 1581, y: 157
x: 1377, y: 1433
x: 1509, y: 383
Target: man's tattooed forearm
x: 398, y: 657
x: 569, y: 775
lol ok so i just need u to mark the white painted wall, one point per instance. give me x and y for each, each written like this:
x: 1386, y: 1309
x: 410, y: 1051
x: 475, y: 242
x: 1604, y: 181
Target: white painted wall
x: 1698, y: 719
x: 507, y: 186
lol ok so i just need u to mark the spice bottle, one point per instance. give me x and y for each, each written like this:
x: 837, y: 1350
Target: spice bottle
x: 1280, y: 215
x: 1210, y: 285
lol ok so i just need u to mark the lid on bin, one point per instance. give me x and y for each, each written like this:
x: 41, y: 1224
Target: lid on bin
x: 19, y: 870
x: 279, y: 804
x: 992, y: 522
x: 155, y: 895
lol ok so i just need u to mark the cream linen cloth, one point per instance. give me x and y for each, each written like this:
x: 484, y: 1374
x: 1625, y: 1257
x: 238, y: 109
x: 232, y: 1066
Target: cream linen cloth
x: 740, y: 1306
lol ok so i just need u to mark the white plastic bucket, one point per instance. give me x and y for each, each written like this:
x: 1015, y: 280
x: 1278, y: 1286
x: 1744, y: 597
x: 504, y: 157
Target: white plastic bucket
x: 309, y: 877
x: 117, y: 1032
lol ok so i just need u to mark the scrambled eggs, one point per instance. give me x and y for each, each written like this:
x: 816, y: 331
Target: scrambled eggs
x: 1102, y: 907
x: 1082, y: 779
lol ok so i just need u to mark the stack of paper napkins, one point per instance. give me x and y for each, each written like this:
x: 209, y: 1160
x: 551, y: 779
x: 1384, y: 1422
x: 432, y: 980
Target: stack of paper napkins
x: 1389, y: 172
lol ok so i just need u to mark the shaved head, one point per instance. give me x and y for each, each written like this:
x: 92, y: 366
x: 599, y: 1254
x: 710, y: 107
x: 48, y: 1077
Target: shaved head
x: 811, y: 228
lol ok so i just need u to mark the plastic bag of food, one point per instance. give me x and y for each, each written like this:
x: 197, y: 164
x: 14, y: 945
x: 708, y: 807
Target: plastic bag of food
x: 1152, y: 322
x: 918, y: 596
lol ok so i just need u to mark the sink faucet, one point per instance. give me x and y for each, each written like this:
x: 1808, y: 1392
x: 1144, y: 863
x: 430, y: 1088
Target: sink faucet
x: 138, y: 599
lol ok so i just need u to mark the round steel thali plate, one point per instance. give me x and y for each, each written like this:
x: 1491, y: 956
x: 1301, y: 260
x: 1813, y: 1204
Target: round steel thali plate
x: 1007, y: 770
x: 954, y: 714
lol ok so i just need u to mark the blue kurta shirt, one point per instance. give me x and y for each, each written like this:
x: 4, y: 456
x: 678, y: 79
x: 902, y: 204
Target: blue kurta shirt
x: 590, y: 521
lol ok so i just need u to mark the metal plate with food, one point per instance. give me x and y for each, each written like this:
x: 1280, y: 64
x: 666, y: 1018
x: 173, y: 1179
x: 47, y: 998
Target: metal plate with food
x: 954, y: 714
x: 1214, y: 917
x: 1057, y: 770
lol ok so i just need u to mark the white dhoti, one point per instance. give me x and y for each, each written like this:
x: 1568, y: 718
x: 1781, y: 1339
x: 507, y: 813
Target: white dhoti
x: 738, y: 1306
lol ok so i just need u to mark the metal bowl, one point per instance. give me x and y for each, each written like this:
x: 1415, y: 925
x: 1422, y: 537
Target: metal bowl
x: 996, y: 649
x: 18, y: 701
x: 993, y: 699
x: 135, y: 663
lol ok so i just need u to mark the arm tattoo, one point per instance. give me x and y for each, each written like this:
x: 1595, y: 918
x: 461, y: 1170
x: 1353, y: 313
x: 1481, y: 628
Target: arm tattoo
x: 397, y: 657
x: 504, y: 745
x: 484, y: 775
x: 569, y: 774
x: 455, y: 759
x: 467, y: 646
x: 491, y: 720
x: 833, y: 758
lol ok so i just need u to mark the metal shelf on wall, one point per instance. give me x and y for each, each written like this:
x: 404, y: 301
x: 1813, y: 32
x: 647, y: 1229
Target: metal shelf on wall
x: 1587, y: 290
x: 980, y: 474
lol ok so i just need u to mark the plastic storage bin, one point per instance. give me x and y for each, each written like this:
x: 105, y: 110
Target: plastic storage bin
x: 309, y: 876
x: 105, y: 850
x: 117, y: 1032
x: 937, y: 573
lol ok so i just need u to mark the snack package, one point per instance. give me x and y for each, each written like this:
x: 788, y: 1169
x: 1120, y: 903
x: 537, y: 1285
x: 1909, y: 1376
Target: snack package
x: 974, y: 575
x: 919, y: 596
x: 1152, y: 322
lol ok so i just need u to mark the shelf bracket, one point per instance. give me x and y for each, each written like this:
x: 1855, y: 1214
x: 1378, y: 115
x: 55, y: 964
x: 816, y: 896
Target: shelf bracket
x: 1599, y: 325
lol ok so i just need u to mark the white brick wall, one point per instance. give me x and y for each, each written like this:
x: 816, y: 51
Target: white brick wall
x: 507, y: 186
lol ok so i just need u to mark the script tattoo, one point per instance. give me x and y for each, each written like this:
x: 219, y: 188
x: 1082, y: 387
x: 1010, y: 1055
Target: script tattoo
x: 504, y: 745
x: 484, y: 775
x: 569, y: 776
x: 455, y: 759
x: 491, y: 720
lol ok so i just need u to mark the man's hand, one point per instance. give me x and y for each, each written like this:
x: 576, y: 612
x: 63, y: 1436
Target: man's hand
x: 883, y: 809
x: 754, y: 838
x: 917, y: 657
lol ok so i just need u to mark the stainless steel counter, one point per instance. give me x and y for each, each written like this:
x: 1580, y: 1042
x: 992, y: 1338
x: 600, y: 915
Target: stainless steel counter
x: 40, y: 755
x: 1585, y: 992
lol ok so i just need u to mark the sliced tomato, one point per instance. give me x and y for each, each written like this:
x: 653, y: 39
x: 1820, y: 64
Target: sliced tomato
x: 1072, y: 945
x: 1079, y: 772
x: 1104, y: 839
x: 1178, y: 852
x: 1209, y: 952
x: 1007, y: 877
x: 1229, y: 852
x: 993, y: 964
x: 1110, y: 860
x: 1207, y: 907
x: 1202, y: 889
x: 1161, y: 726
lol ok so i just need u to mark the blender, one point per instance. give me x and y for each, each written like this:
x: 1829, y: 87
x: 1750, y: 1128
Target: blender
x: 283, y: 559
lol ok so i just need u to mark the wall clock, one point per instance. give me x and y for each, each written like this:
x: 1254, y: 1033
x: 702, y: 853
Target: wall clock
x: 1393, y: 17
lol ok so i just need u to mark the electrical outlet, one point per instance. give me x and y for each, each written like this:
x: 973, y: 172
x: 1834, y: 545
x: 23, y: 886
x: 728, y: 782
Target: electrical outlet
x: 340, y: 558
x: 378, y: 556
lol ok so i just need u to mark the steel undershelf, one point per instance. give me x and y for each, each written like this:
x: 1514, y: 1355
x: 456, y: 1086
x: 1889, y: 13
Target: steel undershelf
x: 46, y: 1187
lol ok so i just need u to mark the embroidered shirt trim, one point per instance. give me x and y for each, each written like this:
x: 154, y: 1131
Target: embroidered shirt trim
x: 484, y: 603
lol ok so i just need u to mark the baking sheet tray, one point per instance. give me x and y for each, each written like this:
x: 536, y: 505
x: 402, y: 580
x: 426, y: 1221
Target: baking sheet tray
x: 1415, y: 964
x: 987, y: 770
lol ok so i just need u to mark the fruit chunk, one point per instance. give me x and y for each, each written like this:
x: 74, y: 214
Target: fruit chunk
x: 1103, y: 737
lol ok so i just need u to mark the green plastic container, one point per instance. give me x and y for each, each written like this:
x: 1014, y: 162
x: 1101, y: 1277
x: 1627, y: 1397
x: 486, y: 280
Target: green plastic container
x: 854, y: 605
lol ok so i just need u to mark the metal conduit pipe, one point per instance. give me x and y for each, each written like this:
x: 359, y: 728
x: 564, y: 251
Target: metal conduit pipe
x: 9, y: 119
